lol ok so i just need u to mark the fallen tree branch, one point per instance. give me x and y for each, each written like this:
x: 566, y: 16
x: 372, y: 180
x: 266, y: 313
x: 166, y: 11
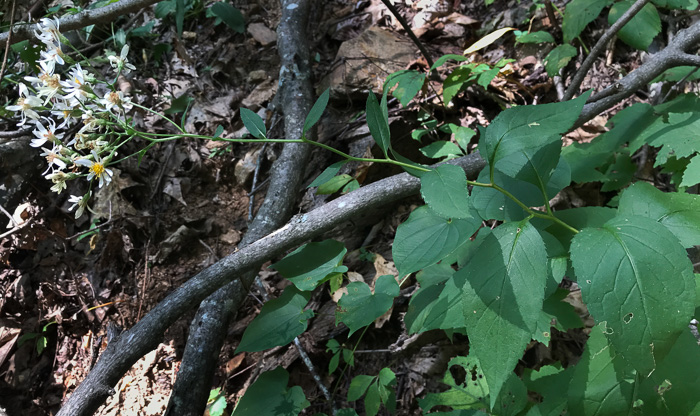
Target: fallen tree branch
x: 210, y: 325
x: 85, y: 18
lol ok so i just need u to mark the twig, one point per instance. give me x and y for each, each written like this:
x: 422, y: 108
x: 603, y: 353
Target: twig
x: 600, y: 47
x: 409, y: 32
x: 9, y: 40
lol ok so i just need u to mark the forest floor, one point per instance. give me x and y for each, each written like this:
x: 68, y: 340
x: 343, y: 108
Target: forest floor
x: 187, y: 204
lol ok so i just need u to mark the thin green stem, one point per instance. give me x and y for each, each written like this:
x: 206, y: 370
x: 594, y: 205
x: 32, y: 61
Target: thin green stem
x: 549, y: 215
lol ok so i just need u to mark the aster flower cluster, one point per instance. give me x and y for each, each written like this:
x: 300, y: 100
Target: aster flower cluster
x: 72, y: 123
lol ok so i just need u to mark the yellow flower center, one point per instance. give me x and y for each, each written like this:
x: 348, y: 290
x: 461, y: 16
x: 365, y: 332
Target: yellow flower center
x: 98, y: 169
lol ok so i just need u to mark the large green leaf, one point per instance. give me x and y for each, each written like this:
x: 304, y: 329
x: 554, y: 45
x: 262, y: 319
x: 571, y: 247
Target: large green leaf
x: 578, y: 14
x: 445, y: 191
x: 308, y: 265
x: 525, y: 142
x: 503, y: 294
x: 409, y: 83
x: 359, y: 307
x: 674, y: 388
x: 600, y: 383
x: 678, y: 212
x: 269, y: 396
x: 579, y: 218
x: 469, y: 393
x: 642, y: 29
x: 279, y: 322
x: 426, y: 238
x: 378, y: 124
x: 640, y: 269
x: 533, y: 37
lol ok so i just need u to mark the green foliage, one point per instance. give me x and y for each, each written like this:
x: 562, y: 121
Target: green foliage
x: 641, y: 269
x: 338, y: 351
x: 269, y: 395
x: 469, y: 74
x: 558, y: 58
x: 216, y: 404
x: 578, y: 14
x: 533, y: 37
x: 377, y: 390
x: 427, y: 237
x: 378, y: 122
x: 500, y: 284
x: 279, y: 322
x: 312, y: 263
x: 471, y: 393
x: 407, y: 82
x: 359, y: 307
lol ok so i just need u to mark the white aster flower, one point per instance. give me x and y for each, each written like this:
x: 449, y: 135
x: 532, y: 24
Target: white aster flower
x: 116, y: 100
x: 120, y: 62
x: 47, y: 83
x: 48, y: 31
x: 97, y: 169
x: 53, y: 157
x: 80, y: 202
x: 25, y: 104
x: 44, y: 134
